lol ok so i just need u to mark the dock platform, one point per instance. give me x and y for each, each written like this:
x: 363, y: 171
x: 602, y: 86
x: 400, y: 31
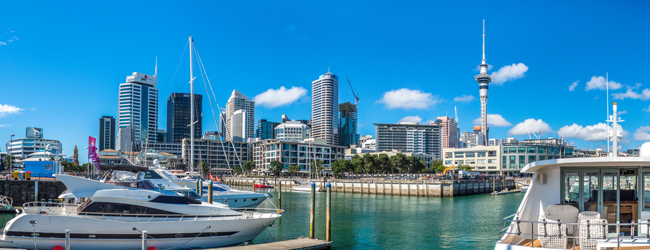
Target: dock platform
x: 297, y: 244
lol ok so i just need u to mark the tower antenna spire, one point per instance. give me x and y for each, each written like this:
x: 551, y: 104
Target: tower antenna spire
x: 484, y: 41
x: 156, y: 71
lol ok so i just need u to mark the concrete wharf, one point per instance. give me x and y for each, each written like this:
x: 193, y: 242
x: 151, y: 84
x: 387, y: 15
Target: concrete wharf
x: 297, y: 244
x: 432, y: 188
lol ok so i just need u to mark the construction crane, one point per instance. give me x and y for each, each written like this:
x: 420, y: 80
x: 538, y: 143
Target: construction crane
x: 356, y: 95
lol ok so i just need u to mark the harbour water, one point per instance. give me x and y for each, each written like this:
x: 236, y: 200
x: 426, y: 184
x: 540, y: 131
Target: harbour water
x: 366, y: 221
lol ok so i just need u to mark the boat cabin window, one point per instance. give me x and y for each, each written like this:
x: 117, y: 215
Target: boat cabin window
x: 150, y: 174
x: 175, y: 200
x: 614, y: 193
x: 120, y: 208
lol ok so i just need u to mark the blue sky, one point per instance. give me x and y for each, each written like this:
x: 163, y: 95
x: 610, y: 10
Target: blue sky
x: 61, y: 63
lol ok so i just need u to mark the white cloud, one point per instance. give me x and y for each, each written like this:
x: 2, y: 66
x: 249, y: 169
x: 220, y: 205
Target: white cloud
x: 4, y: 125
x: 273, y: 98
x: 596, y: 132
x: 6, y: 109
x: 621, y: 112
x: 464, y: 98
x: 573, y: 85
x: 408, y: 99
x: 530, y: 125
x: 600, y: 83
x: 642, y: 134
x: 646, y: 109
x: 411, y: 118
x: 595, y: 97
x: 494, y: 120
x: 630, y: 93
x: 2, y: 43
x: 509, y: 73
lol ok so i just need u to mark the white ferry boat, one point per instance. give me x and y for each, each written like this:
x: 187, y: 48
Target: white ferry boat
x: 583, y: 203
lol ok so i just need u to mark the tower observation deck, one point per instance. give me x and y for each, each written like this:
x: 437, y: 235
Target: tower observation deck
x: 483, y: 79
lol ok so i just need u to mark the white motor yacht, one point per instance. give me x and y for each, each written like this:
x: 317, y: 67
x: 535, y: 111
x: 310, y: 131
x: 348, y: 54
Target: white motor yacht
x: 115, y: 217
x: 221, y: 193
x: 583, y: 203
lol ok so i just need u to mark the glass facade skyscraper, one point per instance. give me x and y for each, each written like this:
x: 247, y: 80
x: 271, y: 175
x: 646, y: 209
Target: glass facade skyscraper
x: 178, y: 117
x: 138, y: 111
x: 106, y: 133
x: 325, y: 108
x: 265, y: 129
x: 348, y: 124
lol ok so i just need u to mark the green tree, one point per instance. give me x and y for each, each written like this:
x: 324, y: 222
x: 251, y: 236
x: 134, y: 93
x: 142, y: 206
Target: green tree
x: 368, y: 163
x: 294, y: 169
x: 383, y: 163
x: 340, y: 166
x: 437, y: 166
x: 465, y: 168
x: 399, y: 163
x: 356, y: 164
x: 316, y: 166
x: 237, y: 171
x: 248, y: 167
x: 205, y: 168
x: 276, y: 168
x: 87, y: 167
x: 8, y: 161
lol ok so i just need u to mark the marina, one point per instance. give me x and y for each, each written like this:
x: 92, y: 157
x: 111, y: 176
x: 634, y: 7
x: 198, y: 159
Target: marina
x: 368, y: 221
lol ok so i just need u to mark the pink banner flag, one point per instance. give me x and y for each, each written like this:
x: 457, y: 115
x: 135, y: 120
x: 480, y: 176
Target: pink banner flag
x: 92, y: 152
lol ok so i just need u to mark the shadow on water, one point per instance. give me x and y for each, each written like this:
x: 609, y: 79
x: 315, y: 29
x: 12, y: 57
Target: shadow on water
x: 366, y: 221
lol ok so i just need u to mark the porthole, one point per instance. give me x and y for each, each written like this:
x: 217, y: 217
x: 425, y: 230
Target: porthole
x: 179, y: 235
x: 213, y: 234
x: 235, y: 200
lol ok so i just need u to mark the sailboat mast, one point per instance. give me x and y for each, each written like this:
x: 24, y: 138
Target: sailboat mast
x: 191, y: 109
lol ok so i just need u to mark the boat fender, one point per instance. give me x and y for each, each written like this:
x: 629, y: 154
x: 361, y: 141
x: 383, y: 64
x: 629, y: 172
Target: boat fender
x: 151, y: 248
x: 58, y: 248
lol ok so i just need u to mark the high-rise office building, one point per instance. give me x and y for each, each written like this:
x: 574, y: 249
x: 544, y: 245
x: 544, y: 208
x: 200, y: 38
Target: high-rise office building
x: 238, y: 126
x: 178, y: 117
x: 237, y: 102
x: 449, y: 131
x: 348, y: 125
x: 325, y: 108
x: 265, y: 129
x: 483, y: 80
x: 409, y: 137
x: 138, y: 111
x: 106, y: 133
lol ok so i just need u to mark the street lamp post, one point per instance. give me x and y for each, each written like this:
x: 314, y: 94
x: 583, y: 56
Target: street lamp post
x: 11, y: 157
x: 89, y: 171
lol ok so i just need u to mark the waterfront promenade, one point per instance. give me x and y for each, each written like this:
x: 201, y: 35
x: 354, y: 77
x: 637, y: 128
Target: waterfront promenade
x: 432, y: 188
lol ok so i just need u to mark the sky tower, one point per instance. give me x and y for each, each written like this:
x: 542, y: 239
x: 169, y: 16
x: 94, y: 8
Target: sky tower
x: 483, y: 80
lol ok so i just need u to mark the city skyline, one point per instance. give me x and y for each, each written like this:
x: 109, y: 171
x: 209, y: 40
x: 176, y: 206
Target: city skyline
x: 551, y: 83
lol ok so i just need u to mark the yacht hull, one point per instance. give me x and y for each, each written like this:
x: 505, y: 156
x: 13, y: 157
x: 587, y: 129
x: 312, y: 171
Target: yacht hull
x: 304, y: 189
x: 117, y: 232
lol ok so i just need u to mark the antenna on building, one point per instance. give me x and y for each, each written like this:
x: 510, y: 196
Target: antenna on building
x: 607, y: 105
x: 456, y: 112
x: 156, y: 70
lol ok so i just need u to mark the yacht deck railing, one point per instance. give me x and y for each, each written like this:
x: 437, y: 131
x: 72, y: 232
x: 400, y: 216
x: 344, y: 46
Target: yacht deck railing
x: 518, y: 224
